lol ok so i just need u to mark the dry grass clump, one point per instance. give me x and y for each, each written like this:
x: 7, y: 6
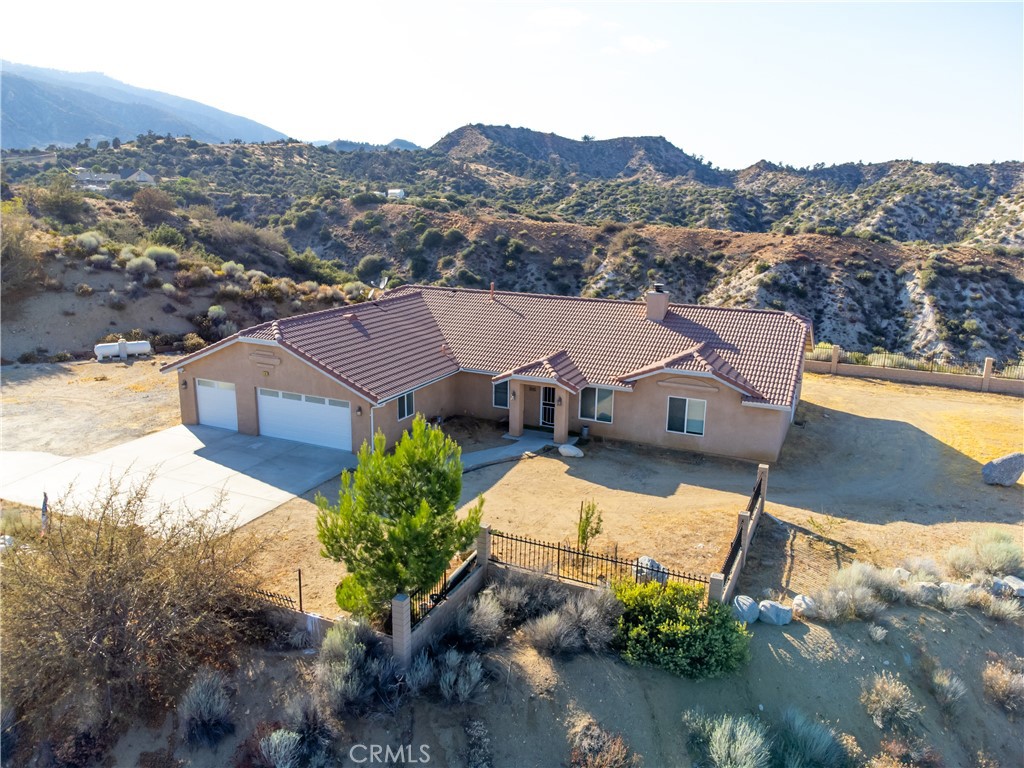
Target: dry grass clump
x: 316, y: 732
x: 803, y: 742
x: 991, y: 551
x: 594, y: 747
x: 883, y: 584
x: 922, y: 569
x: 585, y: 622
x: 205, y: 709
x: 1003, y: 608
x: 838, y: 605
x: 949, y: 691
x: 889, y: 702
x: 1003, y: 680
x: 727, y: 741
x: 354, y: 674
x: 460, y: 677
x: 906, y: 753
x: 877, y: 633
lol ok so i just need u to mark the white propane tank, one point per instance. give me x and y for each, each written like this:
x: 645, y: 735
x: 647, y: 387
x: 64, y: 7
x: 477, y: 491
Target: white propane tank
x: 122, y: 349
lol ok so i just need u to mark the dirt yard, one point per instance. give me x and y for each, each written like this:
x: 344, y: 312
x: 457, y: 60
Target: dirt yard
x: 871, y: 470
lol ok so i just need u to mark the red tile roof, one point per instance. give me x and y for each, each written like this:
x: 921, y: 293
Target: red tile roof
x: 413, y: 335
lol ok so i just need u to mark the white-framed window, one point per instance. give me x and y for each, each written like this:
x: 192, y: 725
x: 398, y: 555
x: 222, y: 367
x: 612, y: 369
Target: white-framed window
x: 596, y: 404
x: 405, y: 406
x: 499, y: 397
x: 686, y: 415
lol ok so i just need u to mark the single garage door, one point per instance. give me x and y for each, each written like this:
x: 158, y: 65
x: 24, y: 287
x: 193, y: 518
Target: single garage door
x: 217, y: 407
x: 305, y: 418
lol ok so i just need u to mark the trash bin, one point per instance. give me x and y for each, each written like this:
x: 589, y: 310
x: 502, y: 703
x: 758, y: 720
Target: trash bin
x: 585, y: 431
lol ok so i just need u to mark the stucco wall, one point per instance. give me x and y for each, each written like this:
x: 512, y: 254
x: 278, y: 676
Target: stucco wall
x: 730, y: 429
x: 251, y: 366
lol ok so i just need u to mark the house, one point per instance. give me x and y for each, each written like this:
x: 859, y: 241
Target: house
x: 710, y: 379
x: 139, y: 177
x: 396, y: 194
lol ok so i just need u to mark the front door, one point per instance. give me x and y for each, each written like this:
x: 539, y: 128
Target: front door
x: 547, y: 407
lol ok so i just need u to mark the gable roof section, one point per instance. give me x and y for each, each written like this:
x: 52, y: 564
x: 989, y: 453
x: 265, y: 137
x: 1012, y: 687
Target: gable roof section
x: 414, y: 335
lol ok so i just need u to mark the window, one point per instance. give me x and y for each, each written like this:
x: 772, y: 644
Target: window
x: 405, y: 406
x: 500, y: 396
x: 686, y: 416
x: 596, y: 404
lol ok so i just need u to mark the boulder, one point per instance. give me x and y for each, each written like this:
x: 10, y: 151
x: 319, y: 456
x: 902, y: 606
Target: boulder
x: 1015, y: 585
x: 648, y: 569
x: 745, y: 609
x: 570, y: 450
x: 927, y: 592
x: 1005, y: 470
x: 949, y: 587
x: 999, y: 587
x: 774, y: 612
x: 804, y: 605
x: 901, y: 573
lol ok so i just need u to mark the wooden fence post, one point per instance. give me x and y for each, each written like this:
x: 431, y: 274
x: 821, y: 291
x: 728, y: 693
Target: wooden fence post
x: 401, y: 631
x: 716, y: 589
x: 834, y: 364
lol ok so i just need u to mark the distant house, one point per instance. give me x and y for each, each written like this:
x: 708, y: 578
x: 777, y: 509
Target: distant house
x: 396, y: 194
x: 101, y: 181
x: 139, y: 177
x: 696, y: 378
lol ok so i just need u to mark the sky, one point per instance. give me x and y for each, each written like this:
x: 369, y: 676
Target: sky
x: 734, y: 82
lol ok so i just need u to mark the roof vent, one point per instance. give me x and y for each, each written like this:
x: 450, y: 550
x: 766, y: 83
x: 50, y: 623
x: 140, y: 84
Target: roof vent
x: 276, y: 331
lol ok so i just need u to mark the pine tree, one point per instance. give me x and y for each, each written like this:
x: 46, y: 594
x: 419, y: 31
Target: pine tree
x: 395, y: 525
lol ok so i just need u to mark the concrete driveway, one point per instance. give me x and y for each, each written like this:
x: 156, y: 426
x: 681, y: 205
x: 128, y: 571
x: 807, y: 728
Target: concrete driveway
x: 190, y: 465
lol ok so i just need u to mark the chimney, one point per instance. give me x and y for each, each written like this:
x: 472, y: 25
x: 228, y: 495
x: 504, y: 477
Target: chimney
x: 492, y: 290
x: 657, y: 303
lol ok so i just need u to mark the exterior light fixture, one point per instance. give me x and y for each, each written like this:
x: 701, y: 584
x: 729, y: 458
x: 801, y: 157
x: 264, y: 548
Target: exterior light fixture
x: 559, y: 400
x: 359, y: 410
x: 513, y: 394
x: 184, y: 383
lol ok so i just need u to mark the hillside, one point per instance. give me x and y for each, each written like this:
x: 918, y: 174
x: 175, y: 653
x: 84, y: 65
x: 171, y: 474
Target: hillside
x: 224, y: 260
x: 43, y: 107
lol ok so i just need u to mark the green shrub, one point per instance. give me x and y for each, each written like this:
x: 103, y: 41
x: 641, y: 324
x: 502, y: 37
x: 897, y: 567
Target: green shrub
x: 453, y: 236
x: 366, y: 198
x: 83, y: 289
x: 193, y: 342
x: 370, y: 267
x: 674, y: 628
x: 140, y: 265
x: 806, y: 742
x: 167, y: 235
x: 431, y: 238
x: 88, y: 242
x: 991, y: 551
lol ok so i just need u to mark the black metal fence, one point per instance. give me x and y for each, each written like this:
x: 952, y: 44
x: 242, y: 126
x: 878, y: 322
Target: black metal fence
x: 424, y: 601
x: 575, y: 564
x: 274, y: 598
x: 1008, y: 369
x: 735, y: 547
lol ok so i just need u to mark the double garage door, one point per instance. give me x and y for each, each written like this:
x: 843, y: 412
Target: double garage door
x: 286, y: 415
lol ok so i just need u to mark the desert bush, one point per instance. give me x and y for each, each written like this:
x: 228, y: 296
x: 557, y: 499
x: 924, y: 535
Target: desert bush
x: 674, y: 628
x: 991, y: 551
x: 1003, y: 609
x: 883, y: 584
x: 922, y: 569
x: 116, y: 300
x: 954, y: 599
x: 486, y: 620
x: 594, y: 747
x: 889, y: 702
x: 217, y: 313
x: 162, y: 256
x: 232, y: 269
x: 316, y: 732
x: 60, y: 357
x: 193, y: 342
x: 99, y: 261
x: 727, y: 741
x: 902, y: 752
x: 1003, y: 682
x: 140, y: 265
x: 88, y: 242
x: 839, y: 605
x: 169, y: 290
x: 353, y: 672
x: 460, y: 677
x: 83, y: 289
x: 165, y: 234
x: 205, y: 709
x: 948, y: 689
x: 170, y: 585
x: 877, y: 633
x: 525, y: 595
x: 553, y: 634
x: 152, y: 204
x: 422, y: 674
x: 806, y: 743
x: 280, y: 748
x: 369, y: 267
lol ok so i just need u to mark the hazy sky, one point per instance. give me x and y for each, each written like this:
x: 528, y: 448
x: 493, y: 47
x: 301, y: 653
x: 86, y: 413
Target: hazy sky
x: 794, y: 83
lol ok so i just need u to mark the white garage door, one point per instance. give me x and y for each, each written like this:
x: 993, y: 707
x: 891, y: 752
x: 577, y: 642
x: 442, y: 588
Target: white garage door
x: 305, y: 418
x: 216, y: 400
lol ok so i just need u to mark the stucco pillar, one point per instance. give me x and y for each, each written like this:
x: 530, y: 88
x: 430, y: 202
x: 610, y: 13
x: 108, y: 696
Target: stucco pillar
x: 401, y: 631
x: 515, y: 408
x: 187, y: 399
x: 986, y: 374
x: 561, y: 416
x: 483, y: 547
x: 834, y: 364
x: 716, y: 589
x: 743, y: 523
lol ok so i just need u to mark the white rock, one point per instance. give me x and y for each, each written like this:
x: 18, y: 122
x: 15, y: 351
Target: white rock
x: 774, y: 612
x: 745, y: 609
x: 999, y: 586
x: 949, y: 587
x: 1015, y: 584
x: 648, y: 569
x: 804, y: 605
x: 570, y: 450
x: 901, y: 573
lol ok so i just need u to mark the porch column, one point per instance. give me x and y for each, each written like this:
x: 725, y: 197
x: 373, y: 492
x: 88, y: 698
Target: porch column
x: 561, y: 416
x: 515, y: 408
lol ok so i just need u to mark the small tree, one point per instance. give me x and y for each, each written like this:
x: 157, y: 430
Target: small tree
x: 152, y: 205
x: 588, y: 526
x: 394, y: 526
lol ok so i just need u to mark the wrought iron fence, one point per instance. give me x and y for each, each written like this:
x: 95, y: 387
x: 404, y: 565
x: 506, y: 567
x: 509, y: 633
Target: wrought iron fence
x: 425, y: 600
x: 576, y: 565
x: 274, y: 598
x: 1009, y: 369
